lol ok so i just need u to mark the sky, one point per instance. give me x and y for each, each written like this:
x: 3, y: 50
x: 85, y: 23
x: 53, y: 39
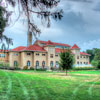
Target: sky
x: 80, y: 25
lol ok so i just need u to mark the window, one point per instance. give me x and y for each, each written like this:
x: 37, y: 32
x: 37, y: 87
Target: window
x: 51, y: 55
x: 28, y: 54
x: 2, y: 55
x: 37, y: 54
x: 84, y: 63
x: 84, y: 56
x: 37, y: 63
x: 78, y: 62
x: 56, y: 62
x: 43, y: 54
x: 43, y: 63
x: 15, y: 64
x: 51, y: 63
x: 80, y: 56
x: 56, y: 55
x: 15, y: 54
x: 28, y: 63
x: 77, y: 57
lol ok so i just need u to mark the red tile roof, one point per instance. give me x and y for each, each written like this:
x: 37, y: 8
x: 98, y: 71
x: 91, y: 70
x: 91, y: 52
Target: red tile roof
x: 34, y: 48
x: 3, y: 50
x: 20, y: 48
x: 82, y: 53
x: 53, y: 43
x: 75, y: 47
x: 57, y: 50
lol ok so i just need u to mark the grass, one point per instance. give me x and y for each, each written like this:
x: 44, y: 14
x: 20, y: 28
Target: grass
x: 35, y: 85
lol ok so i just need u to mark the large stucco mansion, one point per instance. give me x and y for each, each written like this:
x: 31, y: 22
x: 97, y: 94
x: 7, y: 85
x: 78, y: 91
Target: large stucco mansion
x: 42, y: 54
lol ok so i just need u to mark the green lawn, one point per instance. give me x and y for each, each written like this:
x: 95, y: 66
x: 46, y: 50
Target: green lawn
x: 32, y: 85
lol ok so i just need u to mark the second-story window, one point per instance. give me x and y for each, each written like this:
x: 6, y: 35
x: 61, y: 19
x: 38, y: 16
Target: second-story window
x: 51, y: 55
x: 37, y: 54
x: 43, y: 54
x: 77, y: 57
x: 28, y: 54
x: 56, y: 55
x: 15, y: 54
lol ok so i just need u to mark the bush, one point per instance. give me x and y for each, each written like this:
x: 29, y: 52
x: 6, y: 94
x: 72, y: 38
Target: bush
x: 25, y: 67
x: 83, y: 68
x: 96, y: 64
x: 55, y: 68
x: 41, y: 69
x: 31, y: 68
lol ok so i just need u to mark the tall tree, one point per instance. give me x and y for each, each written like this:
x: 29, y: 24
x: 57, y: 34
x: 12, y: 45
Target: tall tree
x: 4, y: 15
x: 66, y: 60
x: 42, y: 8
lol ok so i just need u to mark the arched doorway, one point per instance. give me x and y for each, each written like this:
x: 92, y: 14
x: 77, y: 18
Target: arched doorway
x: 43, y: 64
x: 51, y: 63
x: 37, y: 64
x: 28, y: 63
x: 15, y: 64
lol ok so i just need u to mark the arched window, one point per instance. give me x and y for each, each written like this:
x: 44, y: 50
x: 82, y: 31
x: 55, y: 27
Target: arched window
x: 37, y: 63
x: 28, y: 63
x: 15, y: 63
x: 43, y: 63
x: 51, y: 63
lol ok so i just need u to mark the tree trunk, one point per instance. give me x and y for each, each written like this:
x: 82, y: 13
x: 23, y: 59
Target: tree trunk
x: 66, y: 72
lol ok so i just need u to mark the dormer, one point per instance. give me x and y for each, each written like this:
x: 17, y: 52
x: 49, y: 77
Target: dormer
x: 75, y: 49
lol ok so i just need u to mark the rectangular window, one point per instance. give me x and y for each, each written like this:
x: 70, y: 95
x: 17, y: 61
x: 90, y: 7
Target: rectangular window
x: 78, y: 62
x: 51, y: 55
x: 84, y: 56
x: 80, y: 56
x: 28, y: 54
x: 2, y: 55
x: 81, y: 63
x: 15, y: 54
x: 84, y: 63
x: 37, y: 54
x: 43, y: 54
x: 77, y: 57
x: 56, y: 55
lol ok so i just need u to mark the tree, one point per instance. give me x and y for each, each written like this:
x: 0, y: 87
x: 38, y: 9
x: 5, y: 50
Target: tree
x: 42, y: 8
x: 66, y: 60
x: 4, y: 15
x: 96, y: 60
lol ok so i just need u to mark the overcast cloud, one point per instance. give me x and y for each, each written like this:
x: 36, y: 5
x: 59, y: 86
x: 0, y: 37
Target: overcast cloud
x: 80, y: 25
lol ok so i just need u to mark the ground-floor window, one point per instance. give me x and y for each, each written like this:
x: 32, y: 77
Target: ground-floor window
x: 51, y: 63
x: 15, y: 63
x: 43, y: 63
x: 28, y: 63
x: 37, y: 63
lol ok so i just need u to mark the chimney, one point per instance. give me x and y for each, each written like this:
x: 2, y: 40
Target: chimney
x: 29, y: 38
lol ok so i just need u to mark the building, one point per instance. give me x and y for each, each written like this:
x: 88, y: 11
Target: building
x: 42, y: 54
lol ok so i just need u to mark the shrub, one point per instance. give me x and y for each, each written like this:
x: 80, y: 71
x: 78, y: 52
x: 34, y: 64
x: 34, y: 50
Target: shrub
x: 31, y: 68
x: 25, y: 67
x: 41, y: 69
x: 83, y: 68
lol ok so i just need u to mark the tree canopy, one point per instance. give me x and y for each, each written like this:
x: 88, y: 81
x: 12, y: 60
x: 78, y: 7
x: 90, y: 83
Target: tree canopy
x: 66, y: 60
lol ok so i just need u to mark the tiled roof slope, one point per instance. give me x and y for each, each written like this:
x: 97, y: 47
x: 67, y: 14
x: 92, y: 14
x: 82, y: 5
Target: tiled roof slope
x: 3, y: 50
x: 34, y: 48
x: 20, y: 48
x: 82, y: 53
x: 75, y: 47
x: 53, y: 43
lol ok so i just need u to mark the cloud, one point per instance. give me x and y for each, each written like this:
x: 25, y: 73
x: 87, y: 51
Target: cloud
x: 80, y: 25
